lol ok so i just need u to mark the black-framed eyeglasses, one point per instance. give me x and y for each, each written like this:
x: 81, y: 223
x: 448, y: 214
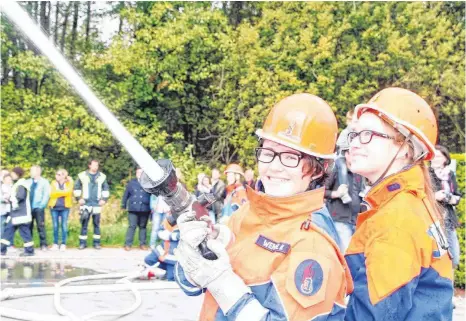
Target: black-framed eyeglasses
x: 288, y: 159
x: 365, y: 136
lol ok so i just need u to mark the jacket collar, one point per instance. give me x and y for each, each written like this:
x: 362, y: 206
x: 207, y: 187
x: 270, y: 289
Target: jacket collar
x: 274, y: 209
x: 409, y: 179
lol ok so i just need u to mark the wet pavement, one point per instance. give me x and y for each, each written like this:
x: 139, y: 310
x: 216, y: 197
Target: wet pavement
x: 47, y: 268
x: 16, y: 273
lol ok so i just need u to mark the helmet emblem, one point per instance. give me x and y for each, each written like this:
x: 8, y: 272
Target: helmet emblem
x: 289, y: 130
x: 293, y: 131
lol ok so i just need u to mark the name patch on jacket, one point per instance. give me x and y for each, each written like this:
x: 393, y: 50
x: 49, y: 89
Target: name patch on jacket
x: 272, y: 246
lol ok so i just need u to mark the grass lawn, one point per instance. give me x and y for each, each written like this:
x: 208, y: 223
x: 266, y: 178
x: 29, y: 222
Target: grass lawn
x: 113, y: 227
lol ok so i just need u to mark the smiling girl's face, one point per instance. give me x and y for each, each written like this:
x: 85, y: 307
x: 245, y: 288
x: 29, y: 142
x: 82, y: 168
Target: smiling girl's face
x: 280, y: 180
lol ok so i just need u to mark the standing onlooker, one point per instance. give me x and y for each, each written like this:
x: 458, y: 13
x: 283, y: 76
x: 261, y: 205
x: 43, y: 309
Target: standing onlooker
x: 180, y: 176
x: 205, y: 185
x: 448, y: 196
x: 344, y: 214
x: 92, y: 191
x: 198, y: 187
x: 203, y: 193
x: 342, y: 147
x: 249, y: 177
x: 3, y: 173
x: 138, y: 202
x: 343, y: 137
x: 40, y: 193
x: 5, y: 205
x: 21, y: 216
x: 60, y: 202
x: 159, y: 210
x: 218, y: 190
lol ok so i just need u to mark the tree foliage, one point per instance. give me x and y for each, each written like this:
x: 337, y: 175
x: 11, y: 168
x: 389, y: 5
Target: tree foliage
x: 193, y: 80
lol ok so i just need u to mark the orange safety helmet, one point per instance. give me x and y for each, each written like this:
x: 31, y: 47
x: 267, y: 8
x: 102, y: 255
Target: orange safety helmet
x: 409, y: 114
x: 303, y: 122
x: 234, y: 168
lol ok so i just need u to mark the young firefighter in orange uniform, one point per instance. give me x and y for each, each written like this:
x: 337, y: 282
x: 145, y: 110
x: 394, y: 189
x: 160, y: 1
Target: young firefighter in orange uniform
x: 235, y: 191
x: 282, y: 261
x: 398, y: 256
x: 162, y: 256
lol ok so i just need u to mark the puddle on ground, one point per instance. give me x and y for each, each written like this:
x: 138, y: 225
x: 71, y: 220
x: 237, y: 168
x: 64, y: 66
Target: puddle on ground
x: 16, y: 273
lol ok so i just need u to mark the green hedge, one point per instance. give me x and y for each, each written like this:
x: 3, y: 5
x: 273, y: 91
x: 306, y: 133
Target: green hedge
x: 459, y: 273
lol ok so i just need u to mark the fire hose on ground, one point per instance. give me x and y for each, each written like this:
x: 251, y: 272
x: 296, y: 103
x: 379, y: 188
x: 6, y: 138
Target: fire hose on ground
x: 123, y: 284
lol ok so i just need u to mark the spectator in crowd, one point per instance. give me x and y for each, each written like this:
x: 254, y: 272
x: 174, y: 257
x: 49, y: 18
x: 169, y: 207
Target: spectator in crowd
x: 249, y: 177
x: 342, y: 147
x: 448, y: 196
x: 344, y: 214
x: 204, y: 195
x: 40, y: 193
x: 159, y: 210
x: 3, y: 173
x: 161, y: 261
x: 21, y: 215
x: 5, y: 205
x: 207, y: 189
x: 344, y: 133
x: 61, y: 198
x: 137, y: 200
x: 180, y: 176
x: 198, y: 188
x: 218, y: 191
x: 92, y: 192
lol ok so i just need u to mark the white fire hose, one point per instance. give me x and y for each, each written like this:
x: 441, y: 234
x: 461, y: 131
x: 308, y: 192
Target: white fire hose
x: 30, y: 29
x: 123, y: 284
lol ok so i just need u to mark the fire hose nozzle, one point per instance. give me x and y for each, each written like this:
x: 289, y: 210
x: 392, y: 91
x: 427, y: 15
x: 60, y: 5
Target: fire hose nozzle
x: 177, y: 198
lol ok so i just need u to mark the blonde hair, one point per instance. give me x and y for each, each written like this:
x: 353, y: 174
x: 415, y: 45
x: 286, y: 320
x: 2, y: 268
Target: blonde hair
x: 64, y: 172
x: 428, y: 183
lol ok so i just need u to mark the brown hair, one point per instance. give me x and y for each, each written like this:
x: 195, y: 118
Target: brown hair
x: 18, y: 171
x: 444, y: 151
x: 92, y: 160
x: 315, y: 167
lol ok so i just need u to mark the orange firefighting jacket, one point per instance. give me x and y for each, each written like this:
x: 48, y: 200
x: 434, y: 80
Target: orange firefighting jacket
x: 397, y: 257
x: 283, y: 250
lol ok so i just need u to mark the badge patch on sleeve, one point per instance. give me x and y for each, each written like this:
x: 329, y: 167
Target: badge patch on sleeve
x: 309, y: 277
x: 393, y: 187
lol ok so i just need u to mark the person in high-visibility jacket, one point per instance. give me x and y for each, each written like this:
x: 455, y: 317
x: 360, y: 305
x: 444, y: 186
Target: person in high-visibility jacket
x: 21, y: 215
x: 398, y: 256
x: 92, y: 192
x: 282, y: 259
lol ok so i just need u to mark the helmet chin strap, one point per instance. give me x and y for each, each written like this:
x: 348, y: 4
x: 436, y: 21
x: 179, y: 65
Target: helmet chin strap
x: 393, y: 160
